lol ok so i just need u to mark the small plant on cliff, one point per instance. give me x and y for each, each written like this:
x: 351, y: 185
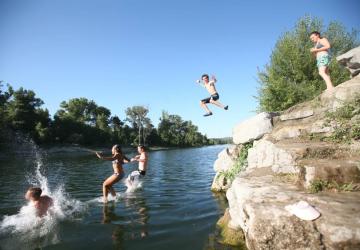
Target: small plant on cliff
x: 322, y: 185
x: 240, y: 163
x: 347, y: 120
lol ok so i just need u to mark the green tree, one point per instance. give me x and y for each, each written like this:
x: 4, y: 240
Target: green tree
x: 5, y: 96
x: 291, y: 76
x: 137, y: 116
x: 78, y: 109
x: 82, y: 121
x: 24, y: 114
x: 173, y: 131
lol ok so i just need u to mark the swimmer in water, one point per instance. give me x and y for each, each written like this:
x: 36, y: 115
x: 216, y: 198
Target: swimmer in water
x: 142, y: 158
x: 118, y: 159
x: 41, y: 202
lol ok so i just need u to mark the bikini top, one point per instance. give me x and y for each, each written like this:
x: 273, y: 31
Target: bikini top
x: 319, y: 45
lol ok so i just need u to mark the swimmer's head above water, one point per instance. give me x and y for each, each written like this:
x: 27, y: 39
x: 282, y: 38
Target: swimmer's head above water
x: 141, y: 148
x: 33, y: 194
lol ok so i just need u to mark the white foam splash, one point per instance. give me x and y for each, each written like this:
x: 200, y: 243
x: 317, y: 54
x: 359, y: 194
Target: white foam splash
x: 133, y: 182
x: 28, y: 227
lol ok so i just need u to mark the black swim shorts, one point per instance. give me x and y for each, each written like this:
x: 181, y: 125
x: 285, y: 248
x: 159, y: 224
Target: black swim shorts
x: 213, y: 97
x: 142, y: 172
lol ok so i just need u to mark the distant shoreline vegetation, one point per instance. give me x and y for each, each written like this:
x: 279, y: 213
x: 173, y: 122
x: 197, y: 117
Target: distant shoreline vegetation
x: 82, y: 122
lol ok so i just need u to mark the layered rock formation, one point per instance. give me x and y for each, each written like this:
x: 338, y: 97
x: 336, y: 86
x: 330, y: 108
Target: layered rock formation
x: 292, y: 153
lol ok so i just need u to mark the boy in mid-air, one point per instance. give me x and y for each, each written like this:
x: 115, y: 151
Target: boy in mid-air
x: 214, y: 96
x: 41, y: 203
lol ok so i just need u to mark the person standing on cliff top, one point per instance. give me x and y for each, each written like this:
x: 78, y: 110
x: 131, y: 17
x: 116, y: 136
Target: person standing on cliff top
x: 321, y: 51
x: 214, y: 96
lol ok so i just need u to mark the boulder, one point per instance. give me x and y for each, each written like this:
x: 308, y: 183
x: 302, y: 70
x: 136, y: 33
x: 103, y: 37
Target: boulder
x: 287, y: 132
x: 220, y: 183
x: 230, y: 236
x: 257, y: 206
x: 342, y: 93
x: 253, y: 128
x: 224, y: 162
x: 225, y: 159
x: 265, y: 153
x: 339, y: 171
x: 351, y: 60
x: 297, y: 115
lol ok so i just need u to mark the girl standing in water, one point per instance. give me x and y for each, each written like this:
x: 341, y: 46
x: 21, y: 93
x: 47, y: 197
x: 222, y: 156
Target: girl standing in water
x: 118, y: 159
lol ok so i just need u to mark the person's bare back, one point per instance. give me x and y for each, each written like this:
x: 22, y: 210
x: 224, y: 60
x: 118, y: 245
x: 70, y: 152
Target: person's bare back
x: 41, y: 203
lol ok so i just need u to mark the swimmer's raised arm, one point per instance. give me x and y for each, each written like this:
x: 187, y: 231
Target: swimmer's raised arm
x: 200, y: 83
x: 126, y: 160
x: 104, y: 158
x: 135, y: 158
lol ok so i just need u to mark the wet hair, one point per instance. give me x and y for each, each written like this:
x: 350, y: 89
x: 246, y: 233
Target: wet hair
x: 315, y: 33
x: 35, y: 192
x: 142, y: 147
x: 205, y: 75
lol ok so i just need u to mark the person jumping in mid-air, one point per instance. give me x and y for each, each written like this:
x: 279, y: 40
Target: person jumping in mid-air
x: 214, y: 96
x: 118, y: 159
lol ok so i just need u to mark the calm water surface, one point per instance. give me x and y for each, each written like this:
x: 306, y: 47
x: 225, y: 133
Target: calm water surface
x: 174, y: 209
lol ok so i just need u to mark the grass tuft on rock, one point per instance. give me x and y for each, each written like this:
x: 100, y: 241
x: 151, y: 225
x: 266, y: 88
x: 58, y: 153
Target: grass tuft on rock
x: 240, y: 163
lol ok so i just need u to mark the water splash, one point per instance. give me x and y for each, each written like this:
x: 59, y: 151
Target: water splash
x: 25, y: 229
x: 133, y: 182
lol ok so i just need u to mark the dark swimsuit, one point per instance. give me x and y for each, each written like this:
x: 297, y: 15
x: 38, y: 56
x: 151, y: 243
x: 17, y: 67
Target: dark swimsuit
x: 213, y: 97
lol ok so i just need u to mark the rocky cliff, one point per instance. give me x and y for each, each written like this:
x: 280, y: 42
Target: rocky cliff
x: 309, y: 152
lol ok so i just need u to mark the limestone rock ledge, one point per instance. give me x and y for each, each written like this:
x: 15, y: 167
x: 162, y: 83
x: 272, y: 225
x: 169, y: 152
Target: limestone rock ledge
x: 257, y: 206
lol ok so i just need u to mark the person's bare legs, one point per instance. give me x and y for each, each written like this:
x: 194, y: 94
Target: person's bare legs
x: 112, y: 191
x: 204, y: 106
x: 107, y: 186
x: 324, y: 73
x: 219, y: 104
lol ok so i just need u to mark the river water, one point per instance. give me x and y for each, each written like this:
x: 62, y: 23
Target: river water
x: 174, y: 208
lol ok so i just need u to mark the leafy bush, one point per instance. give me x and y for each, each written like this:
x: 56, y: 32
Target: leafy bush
x: 322, y: 185
x: 240, y: 163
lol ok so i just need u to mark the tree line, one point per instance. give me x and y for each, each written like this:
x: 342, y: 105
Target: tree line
x: 81, y: 121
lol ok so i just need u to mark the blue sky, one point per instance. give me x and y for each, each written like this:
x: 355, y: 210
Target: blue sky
x: 150, y: 52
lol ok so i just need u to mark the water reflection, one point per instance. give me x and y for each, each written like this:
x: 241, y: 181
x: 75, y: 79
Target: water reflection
x: 133, y: 226
x: 139, y: 221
